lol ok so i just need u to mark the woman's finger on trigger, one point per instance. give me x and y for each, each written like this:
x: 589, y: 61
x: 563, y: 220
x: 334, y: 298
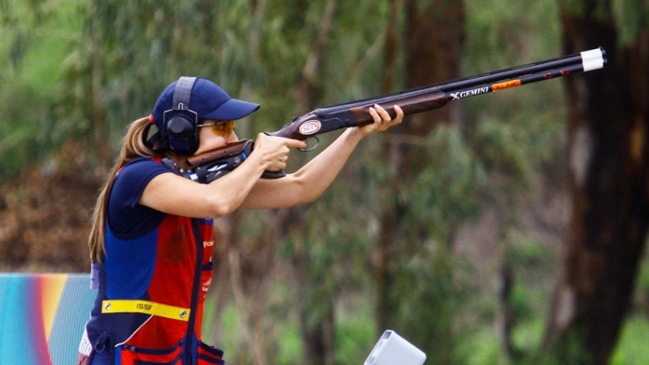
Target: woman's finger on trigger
x: 289, y: 142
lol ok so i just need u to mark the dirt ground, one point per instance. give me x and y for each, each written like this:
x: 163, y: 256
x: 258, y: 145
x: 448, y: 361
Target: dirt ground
x: 45, y: 216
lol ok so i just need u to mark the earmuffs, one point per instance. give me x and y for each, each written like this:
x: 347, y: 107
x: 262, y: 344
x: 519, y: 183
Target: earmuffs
x: 179, y: 124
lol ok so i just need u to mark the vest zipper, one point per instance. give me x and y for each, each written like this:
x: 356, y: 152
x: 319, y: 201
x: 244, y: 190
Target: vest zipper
x: 189, y: 336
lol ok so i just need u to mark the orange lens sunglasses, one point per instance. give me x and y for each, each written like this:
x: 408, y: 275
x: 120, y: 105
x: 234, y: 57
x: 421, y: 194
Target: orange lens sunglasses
x: 223, y: 128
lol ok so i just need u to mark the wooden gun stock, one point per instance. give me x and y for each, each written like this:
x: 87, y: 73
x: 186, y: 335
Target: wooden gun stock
x: 220, y: 153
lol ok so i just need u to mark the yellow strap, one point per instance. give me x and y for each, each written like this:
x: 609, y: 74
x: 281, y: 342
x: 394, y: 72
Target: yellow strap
x: 146, y: 307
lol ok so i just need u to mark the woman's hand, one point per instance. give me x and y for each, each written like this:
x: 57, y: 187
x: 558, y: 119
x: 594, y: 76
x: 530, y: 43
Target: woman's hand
x: 382, y: 120
x: 273, y: 151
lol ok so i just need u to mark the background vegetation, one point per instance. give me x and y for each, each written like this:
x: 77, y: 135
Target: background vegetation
x: 476, y: 214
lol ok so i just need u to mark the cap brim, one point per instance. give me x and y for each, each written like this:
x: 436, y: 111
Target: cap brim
x: 232, y: 109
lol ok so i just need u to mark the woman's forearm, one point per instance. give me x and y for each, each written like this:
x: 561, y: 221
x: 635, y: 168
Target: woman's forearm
x: 310, y: 181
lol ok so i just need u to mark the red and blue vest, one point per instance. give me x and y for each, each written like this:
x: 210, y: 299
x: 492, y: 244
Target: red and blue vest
x: 152, y: 282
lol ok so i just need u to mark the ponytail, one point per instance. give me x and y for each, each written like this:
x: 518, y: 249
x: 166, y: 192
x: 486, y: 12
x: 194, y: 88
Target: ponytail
x: 133, y: 146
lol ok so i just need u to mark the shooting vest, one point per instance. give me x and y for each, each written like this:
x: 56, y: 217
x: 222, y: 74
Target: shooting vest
x: 151, y: 290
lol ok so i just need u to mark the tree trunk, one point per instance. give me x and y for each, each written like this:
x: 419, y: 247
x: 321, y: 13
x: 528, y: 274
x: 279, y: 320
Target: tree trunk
x: 609, y: 176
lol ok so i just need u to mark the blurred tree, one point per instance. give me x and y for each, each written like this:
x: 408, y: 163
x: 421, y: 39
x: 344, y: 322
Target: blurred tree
x: 519, y: 138
x: 414, y: 272
x: 28, y: 79
x: 609, y: 175
x: 316, y: 317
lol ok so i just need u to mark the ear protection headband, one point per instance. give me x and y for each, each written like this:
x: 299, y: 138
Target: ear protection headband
x: 179, y: 124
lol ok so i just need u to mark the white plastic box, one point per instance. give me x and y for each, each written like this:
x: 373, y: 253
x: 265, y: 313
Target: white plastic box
x: 392, y: 349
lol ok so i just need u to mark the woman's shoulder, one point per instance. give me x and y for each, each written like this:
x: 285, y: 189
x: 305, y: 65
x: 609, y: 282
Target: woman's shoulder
x: 125, y: 215
x: 142, y: 165
x: 143, y: 162
x: 138, y: 172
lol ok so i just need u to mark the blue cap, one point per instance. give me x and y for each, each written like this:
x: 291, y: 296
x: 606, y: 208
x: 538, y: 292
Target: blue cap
x: 208, y: 100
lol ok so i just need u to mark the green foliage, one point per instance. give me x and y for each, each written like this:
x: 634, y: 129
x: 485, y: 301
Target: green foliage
x: 494, y: 141
x: 448, y: 189
x: 529, y: 256
x: 528, y: 335
x: 514, y: 133
x: 643, y: 278
x: 36, y: 37
x: 568, y: 349
x: 428, y: 303
x: 482, y: 348
x: 230, y: 325
x: 631, y: 18
x: 355, y: 336
x: 632, y: 346
x: 291, y: 349
x: 23, y: 130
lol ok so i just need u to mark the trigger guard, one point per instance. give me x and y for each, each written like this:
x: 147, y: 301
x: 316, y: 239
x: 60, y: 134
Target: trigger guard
x: 307, y: 148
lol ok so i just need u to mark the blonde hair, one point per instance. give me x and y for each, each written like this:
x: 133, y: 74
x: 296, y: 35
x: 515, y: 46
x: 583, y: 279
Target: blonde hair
x: 133, y: 146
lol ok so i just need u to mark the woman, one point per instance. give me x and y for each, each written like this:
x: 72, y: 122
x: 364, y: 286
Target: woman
x: 152, y: 236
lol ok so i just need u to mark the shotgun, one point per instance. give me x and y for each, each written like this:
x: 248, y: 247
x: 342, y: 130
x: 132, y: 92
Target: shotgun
x: 211, y: 165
